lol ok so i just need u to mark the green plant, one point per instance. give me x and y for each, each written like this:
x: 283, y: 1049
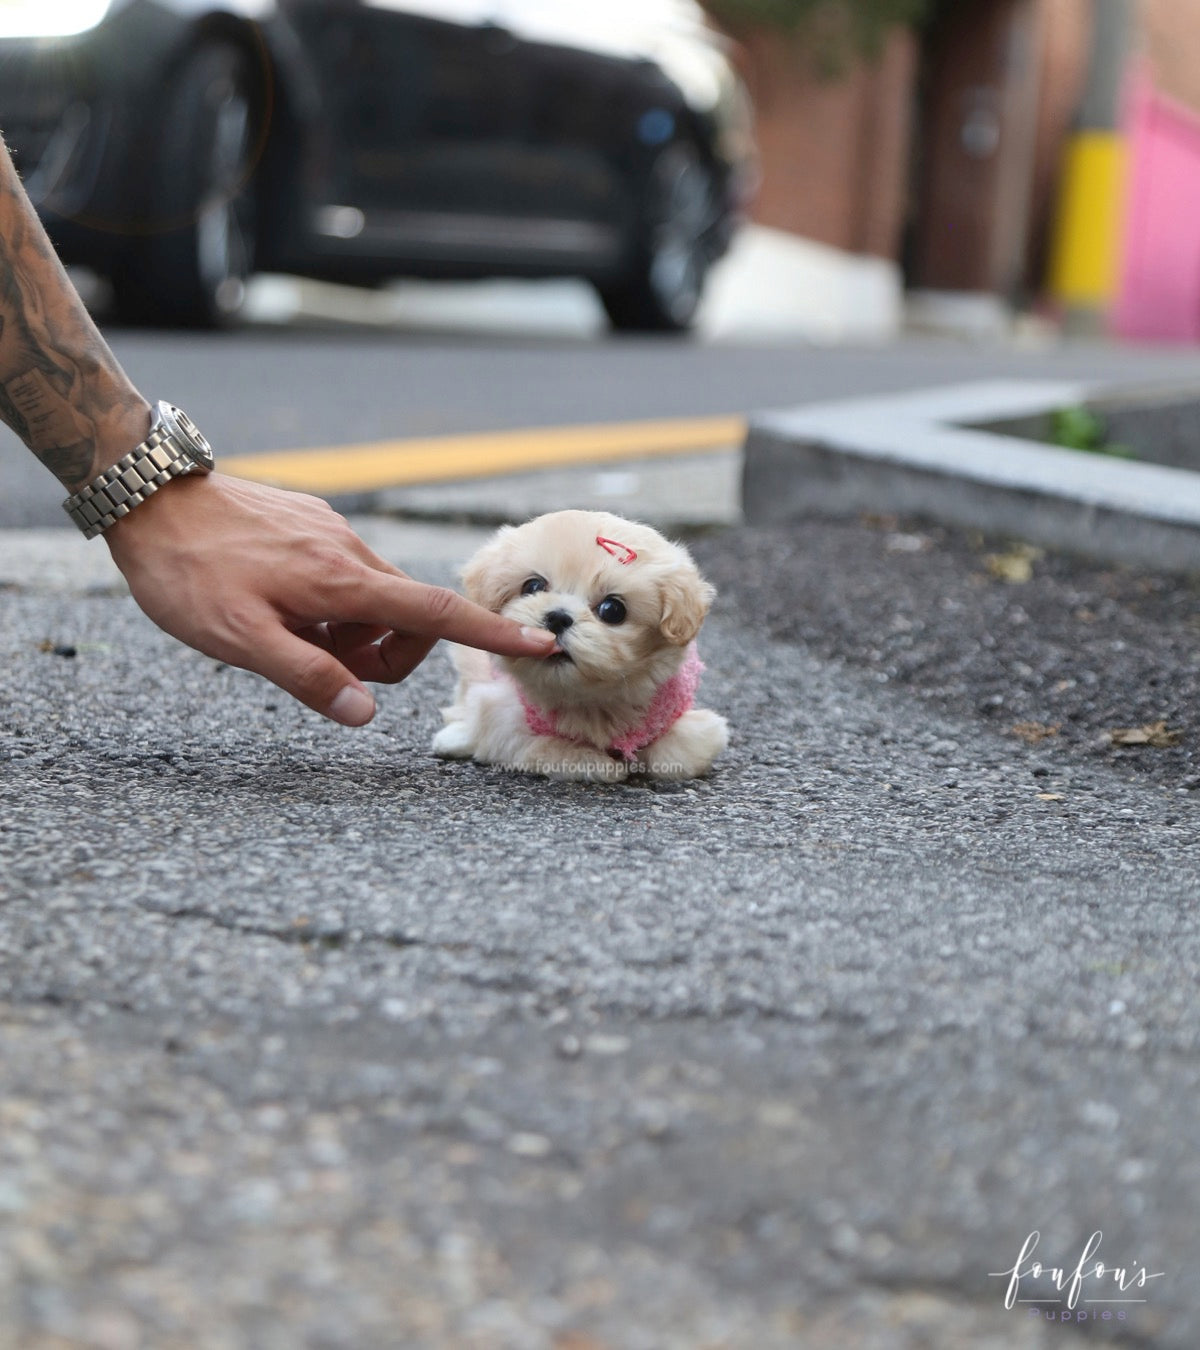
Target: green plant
x: 833, y: 28
x: 1079, y: 428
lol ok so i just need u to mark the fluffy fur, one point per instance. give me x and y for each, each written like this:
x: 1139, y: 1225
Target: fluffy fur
x: 603, y: 678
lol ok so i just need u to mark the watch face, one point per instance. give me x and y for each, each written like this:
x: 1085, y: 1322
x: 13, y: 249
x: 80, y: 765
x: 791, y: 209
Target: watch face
x: 188, y: 434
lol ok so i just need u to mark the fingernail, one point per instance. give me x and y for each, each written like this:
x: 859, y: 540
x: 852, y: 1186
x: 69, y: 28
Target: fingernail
x: 542, y: 636
x: 352, y: 707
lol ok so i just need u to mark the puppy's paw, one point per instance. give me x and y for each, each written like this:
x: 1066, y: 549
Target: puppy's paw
x: 454, y: 741
x: 688, y: 748
x: 569, y: 762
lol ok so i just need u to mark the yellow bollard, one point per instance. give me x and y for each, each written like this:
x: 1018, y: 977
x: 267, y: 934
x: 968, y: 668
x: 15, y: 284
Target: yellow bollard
x: 1086, y: 249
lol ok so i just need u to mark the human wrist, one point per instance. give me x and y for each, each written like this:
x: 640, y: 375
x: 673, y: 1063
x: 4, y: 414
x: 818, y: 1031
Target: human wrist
x: 165, y: 515
x: 110, y: 419
x: 124, y: 428
x: 174, y: 447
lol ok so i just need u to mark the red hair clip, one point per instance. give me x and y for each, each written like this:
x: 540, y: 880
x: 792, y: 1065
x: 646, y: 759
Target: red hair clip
x: 622, y: 552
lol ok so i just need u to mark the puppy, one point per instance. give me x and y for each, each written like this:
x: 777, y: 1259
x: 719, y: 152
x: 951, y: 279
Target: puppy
x: 615, y: 696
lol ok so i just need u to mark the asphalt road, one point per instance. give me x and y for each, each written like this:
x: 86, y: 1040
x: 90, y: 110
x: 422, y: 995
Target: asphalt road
x: 309, y: 1039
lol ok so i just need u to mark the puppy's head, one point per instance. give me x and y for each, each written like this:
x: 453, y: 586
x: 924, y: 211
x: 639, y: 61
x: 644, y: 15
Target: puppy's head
x: 622, y: 601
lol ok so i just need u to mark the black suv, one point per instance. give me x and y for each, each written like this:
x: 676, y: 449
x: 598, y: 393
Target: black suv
x: 178, y: 146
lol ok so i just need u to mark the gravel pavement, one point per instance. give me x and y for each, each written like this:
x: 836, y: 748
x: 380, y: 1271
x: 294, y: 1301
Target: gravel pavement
x: 309, y: 1039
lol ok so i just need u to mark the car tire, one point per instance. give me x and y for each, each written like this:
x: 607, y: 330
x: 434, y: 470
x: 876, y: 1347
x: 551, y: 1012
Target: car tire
x: 191, y: 266
x: 665, y: 285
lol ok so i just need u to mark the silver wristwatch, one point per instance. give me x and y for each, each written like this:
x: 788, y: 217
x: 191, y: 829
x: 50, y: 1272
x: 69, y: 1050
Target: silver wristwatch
x: 174, y: 447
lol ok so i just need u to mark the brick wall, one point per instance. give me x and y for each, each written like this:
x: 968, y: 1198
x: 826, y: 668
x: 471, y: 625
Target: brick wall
x: 1066, y: 32
x: 1169, y: 39
x: 834, y: 151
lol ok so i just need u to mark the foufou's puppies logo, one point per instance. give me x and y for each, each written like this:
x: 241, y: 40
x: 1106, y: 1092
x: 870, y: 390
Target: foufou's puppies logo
x: 1056, y: 1292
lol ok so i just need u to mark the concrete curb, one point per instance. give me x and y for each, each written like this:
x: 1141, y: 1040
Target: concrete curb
x: 918, y: 455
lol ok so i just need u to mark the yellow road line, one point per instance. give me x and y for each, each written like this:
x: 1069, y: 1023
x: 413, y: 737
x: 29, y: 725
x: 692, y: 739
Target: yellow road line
x: 381, y: 464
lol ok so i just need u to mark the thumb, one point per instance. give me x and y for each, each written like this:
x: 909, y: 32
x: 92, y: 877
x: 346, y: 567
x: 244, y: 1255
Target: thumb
x: 314, y: 677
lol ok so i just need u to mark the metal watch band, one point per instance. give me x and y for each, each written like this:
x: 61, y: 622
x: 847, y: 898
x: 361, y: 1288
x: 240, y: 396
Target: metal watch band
x: 128, y: 483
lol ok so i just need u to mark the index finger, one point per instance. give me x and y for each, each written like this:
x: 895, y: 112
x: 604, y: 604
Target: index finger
x: 408, y: 606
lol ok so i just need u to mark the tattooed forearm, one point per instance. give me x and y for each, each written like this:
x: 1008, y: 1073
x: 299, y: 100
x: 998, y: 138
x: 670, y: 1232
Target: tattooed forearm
x: 61, y: 389
x: 9, y: 413
x: 41, y: 393
x: 63, y: 438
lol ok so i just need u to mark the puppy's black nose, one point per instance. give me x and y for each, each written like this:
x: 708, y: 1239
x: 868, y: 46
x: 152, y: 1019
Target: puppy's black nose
x: 557, y: 621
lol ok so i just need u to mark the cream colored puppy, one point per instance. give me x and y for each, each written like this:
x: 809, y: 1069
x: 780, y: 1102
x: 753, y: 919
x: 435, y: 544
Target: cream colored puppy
x: 615, y: 696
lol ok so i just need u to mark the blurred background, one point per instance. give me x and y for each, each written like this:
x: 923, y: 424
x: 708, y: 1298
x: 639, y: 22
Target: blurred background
x: 832, y: 169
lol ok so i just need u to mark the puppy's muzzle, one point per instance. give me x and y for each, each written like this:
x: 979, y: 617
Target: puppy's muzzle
x: 558, y: 621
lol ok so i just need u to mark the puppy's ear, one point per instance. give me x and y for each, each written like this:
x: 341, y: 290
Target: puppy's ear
x: 685, y: 600
x: 484, y: 577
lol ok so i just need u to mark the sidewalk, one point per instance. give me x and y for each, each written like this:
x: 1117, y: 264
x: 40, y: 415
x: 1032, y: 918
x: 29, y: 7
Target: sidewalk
x: 769, y: 286
x: 438, y: 524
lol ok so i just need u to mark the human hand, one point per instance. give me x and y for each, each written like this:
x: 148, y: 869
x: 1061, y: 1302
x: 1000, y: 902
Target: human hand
x: 276, y: 582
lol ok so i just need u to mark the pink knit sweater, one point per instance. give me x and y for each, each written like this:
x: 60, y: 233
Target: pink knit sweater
x: 672, y: 700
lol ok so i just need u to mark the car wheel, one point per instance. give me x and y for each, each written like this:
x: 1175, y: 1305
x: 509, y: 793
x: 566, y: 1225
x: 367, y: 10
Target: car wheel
x: 663, y: 290
x: 191, y: 266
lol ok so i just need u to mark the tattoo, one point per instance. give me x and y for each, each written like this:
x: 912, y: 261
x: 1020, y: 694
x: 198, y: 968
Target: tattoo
x: 60, y: 388
x: 60, y: 436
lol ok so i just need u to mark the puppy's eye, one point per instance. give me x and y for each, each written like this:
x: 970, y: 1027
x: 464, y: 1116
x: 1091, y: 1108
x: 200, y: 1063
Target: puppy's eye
x: 533, y: 585
x: 611, y: 610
